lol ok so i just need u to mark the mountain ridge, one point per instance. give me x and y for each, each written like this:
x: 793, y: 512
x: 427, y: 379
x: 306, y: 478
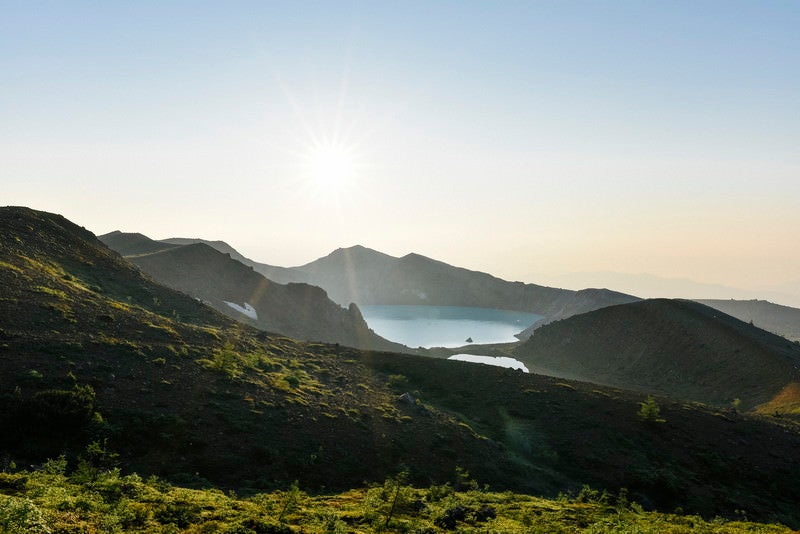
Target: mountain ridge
x: 299, y: 310
x: 180, y: 390
x: 678, y: 348
x: 780, y: 319
x: 366, y: 276
x: 132, y: 243
x: 776, y: 318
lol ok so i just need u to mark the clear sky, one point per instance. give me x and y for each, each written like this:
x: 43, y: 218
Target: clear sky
x: 526, y: 139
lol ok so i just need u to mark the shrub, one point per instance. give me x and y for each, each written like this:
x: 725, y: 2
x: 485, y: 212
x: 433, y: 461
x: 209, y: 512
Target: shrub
x: 12, y: 481
x: 225, y: 360
x: 55, y: 467
x: 180, y: 513
x: 463, y: 480
x: 260, y: 526
x: 290, y: 501
x: 451, y: 517
x: 650, y: 411
x: 383, y: 502
x: 485, y: 513
x: 64, y: 410
x: 292, y: 380
x: 21, y: 516
x: 397, y: 381
x: 437, y: 493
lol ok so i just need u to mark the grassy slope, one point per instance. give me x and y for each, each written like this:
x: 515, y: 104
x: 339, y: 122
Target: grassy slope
x: 700, y: 459
x: 75, y: 312
x: 206, y: 397
x: 671, y: 347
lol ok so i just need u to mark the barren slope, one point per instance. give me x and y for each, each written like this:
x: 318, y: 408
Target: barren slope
x: 672, y: 347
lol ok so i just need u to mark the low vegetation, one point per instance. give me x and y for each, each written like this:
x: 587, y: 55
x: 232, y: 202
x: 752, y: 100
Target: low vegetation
x: 51, y: 500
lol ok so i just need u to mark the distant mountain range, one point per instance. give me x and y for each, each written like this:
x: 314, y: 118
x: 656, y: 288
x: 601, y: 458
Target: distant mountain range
x: 652, y: 286
x: 781, y: 320
x: 679, y: 348
x: 301, y: 311
x: 365, y: 276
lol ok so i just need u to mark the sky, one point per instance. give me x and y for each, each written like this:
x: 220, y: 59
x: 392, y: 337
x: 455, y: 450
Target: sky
x: 549, y: 142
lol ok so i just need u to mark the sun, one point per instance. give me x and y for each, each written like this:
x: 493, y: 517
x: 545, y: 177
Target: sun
x: 331, y: 166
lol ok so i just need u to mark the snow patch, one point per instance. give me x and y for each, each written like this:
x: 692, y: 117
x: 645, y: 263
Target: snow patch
x: 500, y: 361
x: 248, y: 310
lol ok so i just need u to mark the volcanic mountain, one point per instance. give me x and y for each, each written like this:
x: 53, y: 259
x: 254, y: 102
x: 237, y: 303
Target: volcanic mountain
x: 678, y: 348
x: 301, y: 311
x: 281, y: 275
x: 365, y: 276
x: 297, y: 310
x: 94, y: 353
x: 183, y: 388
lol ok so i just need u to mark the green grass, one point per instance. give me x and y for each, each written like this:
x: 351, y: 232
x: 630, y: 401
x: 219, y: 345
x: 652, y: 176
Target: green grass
x: 50, y: 501
x: 6, y: 265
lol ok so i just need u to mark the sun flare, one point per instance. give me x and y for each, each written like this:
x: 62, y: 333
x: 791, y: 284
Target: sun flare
x: 331, y: 166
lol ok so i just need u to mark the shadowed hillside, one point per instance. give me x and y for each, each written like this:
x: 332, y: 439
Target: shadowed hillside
x: 775, y: 318
x: 301, y: 311
x: 92, y: 350
x: 365, y: 276
x: 672, y: 347
x: 281, y: 275
x: 132, y: 244
x: 182, y: 389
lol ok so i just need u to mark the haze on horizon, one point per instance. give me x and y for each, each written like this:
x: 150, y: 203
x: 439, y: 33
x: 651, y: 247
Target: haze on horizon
x: 530, y: 140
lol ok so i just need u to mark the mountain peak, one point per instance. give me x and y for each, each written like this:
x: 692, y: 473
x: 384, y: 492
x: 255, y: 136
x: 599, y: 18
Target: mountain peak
x: 349, y: 255
x: 359, y: 249
x: 132, y: 243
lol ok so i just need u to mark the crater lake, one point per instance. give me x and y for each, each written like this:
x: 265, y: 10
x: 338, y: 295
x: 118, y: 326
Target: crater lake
x: 445, y: 326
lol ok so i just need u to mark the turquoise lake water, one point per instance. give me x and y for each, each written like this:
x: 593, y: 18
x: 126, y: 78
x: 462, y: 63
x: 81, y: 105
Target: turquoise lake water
x: 445, y: 326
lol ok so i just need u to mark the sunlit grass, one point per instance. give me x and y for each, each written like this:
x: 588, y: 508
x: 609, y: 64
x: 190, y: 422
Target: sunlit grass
x: 50, y: 500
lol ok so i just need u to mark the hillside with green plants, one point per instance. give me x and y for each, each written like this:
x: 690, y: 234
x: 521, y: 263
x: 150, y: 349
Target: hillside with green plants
x: 677, y: 348
x: 93, y: 349
x: 104, y: 366
x: 49, y: 500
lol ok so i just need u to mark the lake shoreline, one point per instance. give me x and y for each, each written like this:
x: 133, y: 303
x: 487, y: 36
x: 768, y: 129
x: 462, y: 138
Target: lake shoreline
x: 426, y: 327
